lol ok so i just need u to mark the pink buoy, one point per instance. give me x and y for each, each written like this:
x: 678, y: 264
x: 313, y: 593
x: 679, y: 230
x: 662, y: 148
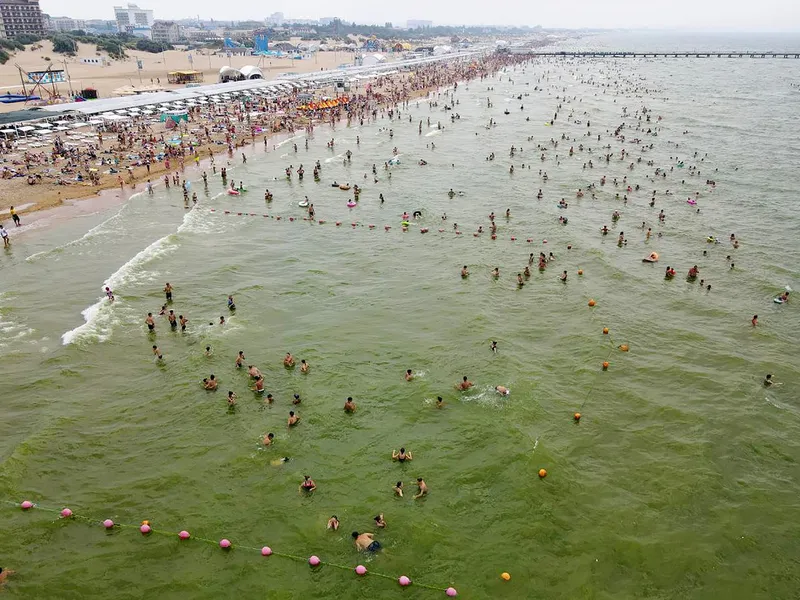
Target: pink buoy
x: 314, y: 561
x: 227, y: 212
x: 529, y: 240
x: 404, y: 581
x: 266, y: 551
x: 184, y: 535
x: 451, y: 591
x: 291, y: 218
x: 322, y: 221
x: 475, y: 235
x: 66, y: 513
x: 361, y: 570
x: 458, y: 233
x: 441, y: 230
x: 353, y: 224
x: 238, y: 214
x: 277, y: 218
x: 26, y: 504
x: 544, y: 241
x: 145, y: 529
x: 371, y: 226
x: 265, y: 216
x: 338, y: 223
x: 405, y: 229
x: 387, y: 227
x: 424, y: 230
x: 108, y: 523
x: 225, y: 543
x: 513, y: 239
x: 213, y: 210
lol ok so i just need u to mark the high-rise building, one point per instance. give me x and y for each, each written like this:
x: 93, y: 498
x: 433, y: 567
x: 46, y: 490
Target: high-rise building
x: 67, y: 24
x: 275, y: 18
x: 131, y: 17
x: 168, y: 32
x: 20, y: 16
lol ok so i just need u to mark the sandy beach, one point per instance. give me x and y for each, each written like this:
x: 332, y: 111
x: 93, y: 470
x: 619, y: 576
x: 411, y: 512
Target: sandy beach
x: 118, y: 74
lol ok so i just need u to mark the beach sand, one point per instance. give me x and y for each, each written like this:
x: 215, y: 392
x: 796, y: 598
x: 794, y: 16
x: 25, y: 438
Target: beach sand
x: 117, y: 74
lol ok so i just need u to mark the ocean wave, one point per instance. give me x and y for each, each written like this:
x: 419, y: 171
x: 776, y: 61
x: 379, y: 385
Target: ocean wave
x: 99, y: 318
x: 94, y: 231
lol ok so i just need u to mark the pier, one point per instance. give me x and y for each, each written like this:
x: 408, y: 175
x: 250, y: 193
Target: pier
x: 639, y: 54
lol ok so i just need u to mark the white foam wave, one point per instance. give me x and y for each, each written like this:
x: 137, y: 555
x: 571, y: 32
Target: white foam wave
x: 435, y: 132
x: 97, y: 229
x: 99, y: 317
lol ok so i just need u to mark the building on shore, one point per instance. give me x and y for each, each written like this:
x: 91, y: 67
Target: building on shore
x: 20, y: 17
x: 132, y: 17
x: 167, y: 32
x: 62, y: 24
x: 418, y: 24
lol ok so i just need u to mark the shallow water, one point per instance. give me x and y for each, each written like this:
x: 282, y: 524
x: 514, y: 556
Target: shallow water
x: 679, y: 481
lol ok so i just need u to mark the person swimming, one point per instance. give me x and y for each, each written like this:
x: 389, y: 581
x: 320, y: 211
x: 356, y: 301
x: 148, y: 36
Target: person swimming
x: 402, y: 456
x: 365, y: 542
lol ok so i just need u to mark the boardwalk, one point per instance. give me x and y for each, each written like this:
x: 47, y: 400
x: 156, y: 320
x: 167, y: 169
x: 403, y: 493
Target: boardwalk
x: 628, y: 54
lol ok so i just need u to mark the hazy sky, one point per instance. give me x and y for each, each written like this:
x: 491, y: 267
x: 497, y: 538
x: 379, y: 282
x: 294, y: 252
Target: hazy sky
x: 765, y: 15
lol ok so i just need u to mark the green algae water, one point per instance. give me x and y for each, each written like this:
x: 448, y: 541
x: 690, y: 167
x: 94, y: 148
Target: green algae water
x: 680, y: 481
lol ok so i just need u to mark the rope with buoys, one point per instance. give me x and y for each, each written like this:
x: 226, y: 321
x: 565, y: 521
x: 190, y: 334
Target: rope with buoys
x: 225, y: 544
x: 356, y: 224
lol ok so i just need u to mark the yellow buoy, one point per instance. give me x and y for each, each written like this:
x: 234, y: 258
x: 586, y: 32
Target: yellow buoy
x: 577, y: 416
x: 542, y: 473
x: 505, y: 576
x: 580, y: 271
x: 605, y: 330
x: 624, y: 347
x: 605, y: 365
x: 591, y: 302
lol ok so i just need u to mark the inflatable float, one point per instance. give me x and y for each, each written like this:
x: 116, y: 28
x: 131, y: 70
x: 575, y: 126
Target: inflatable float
x: 344, y: 187
x: 233, y: 192
x: 351, y: 204
x: 691, y: 202
x: 651, y: 258
x: 302, y: 204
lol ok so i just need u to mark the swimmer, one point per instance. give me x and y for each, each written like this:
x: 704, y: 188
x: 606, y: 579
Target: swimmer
x: 465, y: 384
x: 231, y: 304
x: 4, y: 575
x: 231, y: 399
x: 402, y: 456
x: 240, y: 360
x: 268, y: 399
x: 398, y: 489
x: 380, y: 522
x: 563, y: 277
x: 365, y: 543
x: 333, y: 523
x: 208, y: 351
x: 258, y: 387
x: 303, y: 366
x: 496, y: 272
x: 464, y: 272
x: 439, y: 402
x: 288, y: 360
x: 173, y: 321
x: 493, y: 347
x: 754, y: 320
x: 422, y: 487
x: 157, y: 353
x: 520, y: 280
x: 308, y: 484
x: 168, y: 292
x: 293, y: 419
x: 296, y: 400
x: 253, y: 371
x: 409, y: 375
x: 151, y: 325
x: 222, y: 320
x: 109, y: 294
x: 183, y: 321
x: 502, y: 390
x: 349, y: 405
x: 210, y: 383
x: 268, y: 439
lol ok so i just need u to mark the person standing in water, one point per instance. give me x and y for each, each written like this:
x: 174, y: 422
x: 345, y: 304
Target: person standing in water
x: 168, y: 292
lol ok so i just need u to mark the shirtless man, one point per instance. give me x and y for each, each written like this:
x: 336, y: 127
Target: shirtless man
x: 333, y: 523
x: 183, y: 321
x: 380, y: 522
x: 157, y: 353
x: 288, y: 360
x: 231, y: 399
x: 168, y: 292
x: 258, y: 386
x: 465, y: 384
x: 4, y: 575
x: 409, y: 375
x: 210, y: 383
x: 267, y: 441
x: 240, y: 360
x: 365, y: 542
x: 252, y: 371
x: 398, y: 489
x: 303, y: 366
x: 151, y: 324
x: 439, y: 402
x: 173, y: 320
x: 423, y: 489
x: 465, y: 272
x: 349, y: 405
x: 501, y: 389
x: 293, y: 419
